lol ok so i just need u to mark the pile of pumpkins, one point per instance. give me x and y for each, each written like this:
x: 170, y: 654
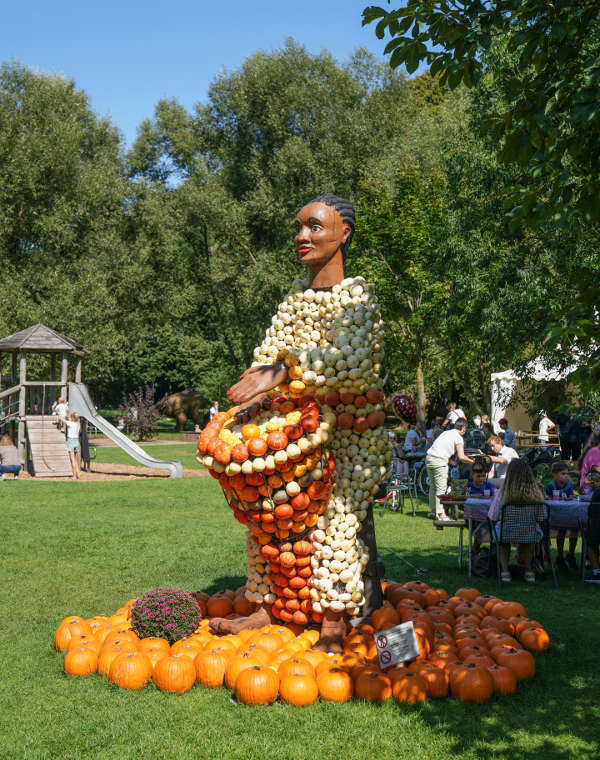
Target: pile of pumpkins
x: 472, y: 646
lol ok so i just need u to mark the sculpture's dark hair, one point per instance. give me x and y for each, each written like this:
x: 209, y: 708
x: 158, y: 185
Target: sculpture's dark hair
x: 345, y: 209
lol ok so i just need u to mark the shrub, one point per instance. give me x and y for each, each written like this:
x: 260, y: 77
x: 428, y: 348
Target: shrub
x: 141, y: 413
x: 169, y: 613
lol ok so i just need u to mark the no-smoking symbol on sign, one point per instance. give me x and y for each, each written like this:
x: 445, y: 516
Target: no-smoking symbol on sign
x: 385, y: 657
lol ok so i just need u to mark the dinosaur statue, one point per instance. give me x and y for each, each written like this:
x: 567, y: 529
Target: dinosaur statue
x: 183, y: 406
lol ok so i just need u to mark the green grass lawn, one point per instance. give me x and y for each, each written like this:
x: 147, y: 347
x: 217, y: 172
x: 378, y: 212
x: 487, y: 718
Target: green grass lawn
x: 85, y: 548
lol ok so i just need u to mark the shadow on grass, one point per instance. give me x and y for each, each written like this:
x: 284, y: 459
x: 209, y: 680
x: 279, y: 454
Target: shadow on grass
x: 225, y: 582
x: 554, y: 716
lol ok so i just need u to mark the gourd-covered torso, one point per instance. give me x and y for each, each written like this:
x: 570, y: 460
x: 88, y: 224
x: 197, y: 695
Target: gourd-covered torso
x: 337, y: 337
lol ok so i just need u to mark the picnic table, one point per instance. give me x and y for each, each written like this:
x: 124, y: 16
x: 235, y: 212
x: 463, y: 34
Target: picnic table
x: 563, y: 513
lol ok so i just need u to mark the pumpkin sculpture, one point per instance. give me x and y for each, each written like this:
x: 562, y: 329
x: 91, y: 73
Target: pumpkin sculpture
x: 312, y: 456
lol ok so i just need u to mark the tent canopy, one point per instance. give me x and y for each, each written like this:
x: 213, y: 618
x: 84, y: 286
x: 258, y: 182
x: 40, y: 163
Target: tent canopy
x: 504, y: 385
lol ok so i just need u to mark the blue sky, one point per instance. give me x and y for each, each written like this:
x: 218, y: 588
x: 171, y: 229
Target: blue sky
x: 127, y: 55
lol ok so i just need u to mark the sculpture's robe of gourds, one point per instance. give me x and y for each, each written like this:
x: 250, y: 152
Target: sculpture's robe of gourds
x: 332, y: 343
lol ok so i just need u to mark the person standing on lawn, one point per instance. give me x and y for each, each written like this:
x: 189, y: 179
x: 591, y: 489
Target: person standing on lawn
x: 447, y: 445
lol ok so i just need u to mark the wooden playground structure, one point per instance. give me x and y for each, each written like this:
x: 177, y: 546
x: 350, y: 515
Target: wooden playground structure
x: 26, y: 404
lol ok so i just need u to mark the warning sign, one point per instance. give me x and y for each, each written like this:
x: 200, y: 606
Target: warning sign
x: 397, y: 644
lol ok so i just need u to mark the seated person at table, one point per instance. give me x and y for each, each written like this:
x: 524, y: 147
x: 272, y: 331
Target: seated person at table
x: 510, y: 438
x: 520, y: 486
x: 412, y: 439
x: 562, y: 487
x: 590, y: 456
x: 593, y: 529
x: 501, y: 456
x: 9, y: 458
x: 478, y: 486
x: 562, y: 482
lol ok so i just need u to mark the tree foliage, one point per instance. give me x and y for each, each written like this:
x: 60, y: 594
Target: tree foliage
x: 545, y: 58
x: 534, y: 69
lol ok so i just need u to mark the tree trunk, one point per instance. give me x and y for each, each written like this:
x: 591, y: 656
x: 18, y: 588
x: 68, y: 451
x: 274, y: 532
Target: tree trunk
x: 420, y: 389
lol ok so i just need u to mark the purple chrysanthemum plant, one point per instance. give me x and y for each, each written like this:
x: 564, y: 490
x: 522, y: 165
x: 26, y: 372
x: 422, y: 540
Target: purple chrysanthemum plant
x: 169, y: 613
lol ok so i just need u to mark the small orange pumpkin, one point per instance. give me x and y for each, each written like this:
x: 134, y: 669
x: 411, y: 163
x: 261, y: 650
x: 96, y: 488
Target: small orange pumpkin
x: 410, y: 688
x: 335, y: 685
x: 81, y: 661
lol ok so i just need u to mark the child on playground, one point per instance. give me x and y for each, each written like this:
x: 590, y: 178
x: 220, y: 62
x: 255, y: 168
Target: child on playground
x: 62, y: 409
x: 73, y: 425
x: 561, y: 487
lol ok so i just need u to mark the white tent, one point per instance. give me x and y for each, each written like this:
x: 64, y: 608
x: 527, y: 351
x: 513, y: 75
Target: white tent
x: 504, y: 385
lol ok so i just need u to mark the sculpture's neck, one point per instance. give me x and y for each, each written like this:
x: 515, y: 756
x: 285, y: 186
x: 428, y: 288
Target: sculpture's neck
x: 329, y: 274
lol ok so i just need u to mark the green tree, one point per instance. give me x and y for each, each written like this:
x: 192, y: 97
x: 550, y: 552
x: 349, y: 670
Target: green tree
x: 545, y: 59
x: 535, y: 70
x: 62, y: 215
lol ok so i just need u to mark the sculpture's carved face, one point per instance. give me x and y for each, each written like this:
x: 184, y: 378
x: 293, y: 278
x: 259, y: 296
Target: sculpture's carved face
x: 320, y: 234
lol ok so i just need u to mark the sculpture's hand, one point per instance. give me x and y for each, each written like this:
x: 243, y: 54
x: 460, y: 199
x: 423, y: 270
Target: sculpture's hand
x: 257, y: 381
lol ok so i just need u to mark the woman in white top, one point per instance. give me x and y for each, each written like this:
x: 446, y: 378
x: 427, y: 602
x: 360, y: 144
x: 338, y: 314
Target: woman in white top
x: 73, y: 425
x: 448, y: 444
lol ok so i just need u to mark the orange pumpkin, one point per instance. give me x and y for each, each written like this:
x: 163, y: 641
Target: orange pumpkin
x: 335, y: 685
x: 250, y: 431
x: 219, y: 606
x: 257, y: 447
x: 80, y: 661
x: 373, y: 686
x: 130, y: 670
x: 296, y: 666
x: 300, y: 690
x: 69, y: 627
x: 257, y: 685
x: 472, y: 684
x: 534, y: 638
x: 240, y: 662
x: 174, y: 674
x: 504, y: 680
x: 410, y: 688
x: 519, y: 661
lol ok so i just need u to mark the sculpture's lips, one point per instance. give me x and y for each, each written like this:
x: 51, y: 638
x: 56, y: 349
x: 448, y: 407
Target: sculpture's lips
x: 304, y: 249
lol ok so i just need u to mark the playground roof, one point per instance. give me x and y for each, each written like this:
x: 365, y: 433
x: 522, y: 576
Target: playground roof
x: 40, y: 339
